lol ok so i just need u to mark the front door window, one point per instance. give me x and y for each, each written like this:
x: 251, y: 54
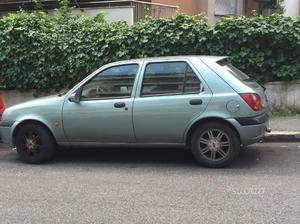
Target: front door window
x: 114, y: 82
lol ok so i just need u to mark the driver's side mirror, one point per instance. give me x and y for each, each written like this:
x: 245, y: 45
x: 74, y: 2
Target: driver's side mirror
x: 75, y: 97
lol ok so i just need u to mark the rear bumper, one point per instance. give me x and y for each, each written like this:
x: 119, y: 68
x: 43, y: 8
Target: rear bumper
x: 255, y: 120
x: 251, y: 129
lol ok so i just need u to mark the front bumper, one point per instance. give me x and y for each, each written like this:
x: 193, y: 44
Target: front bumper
x: 6, y: 131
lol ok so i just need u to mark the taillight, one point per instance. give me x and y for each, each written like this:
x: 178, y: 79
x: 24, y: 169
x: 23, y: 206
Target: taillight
x: 253, y: 100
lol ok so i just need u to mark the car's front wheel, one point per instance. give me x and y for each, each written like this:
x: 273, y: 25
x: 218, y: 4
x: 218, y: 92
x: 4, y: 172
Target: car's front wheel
x: 34, y: 143
x: 215, y: 144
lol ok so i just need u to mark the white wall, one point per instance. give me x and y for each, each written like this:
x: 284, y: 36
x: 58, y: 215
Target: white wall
x: 283, y: 94
x: 280, y: 95
x: 291, y: 7
x: 113, y: 14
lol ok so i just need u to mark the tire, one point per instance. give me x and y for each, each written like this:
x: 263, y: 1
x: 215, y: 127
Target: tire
x: 215, y: 145
x: 34, y: 144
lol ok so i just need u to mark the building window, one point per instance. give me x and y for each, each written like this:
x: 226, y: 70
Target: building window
x: 228, y: 7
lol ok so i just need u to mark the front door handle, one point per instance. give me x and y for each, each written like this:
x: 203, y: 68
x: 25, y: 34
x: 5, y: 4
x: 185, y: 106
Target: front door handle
x: 196, y: 102
x: 119, y: 105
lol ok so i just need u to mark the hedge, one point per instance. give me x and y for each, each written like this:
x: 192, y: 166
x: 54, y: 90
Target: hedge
x: 42, y: 52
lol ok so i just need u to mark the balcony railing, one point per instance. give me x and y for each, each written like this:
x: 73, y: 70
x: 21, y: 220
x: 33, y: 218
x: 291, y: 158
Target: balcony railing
x: 143, y: 9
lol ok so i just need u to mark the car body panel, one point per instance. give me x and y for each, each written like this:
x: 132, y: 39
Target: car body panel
x: 166, y: 121
x: 98, y: 121
x: 237, y: 85
x: 46, y: 110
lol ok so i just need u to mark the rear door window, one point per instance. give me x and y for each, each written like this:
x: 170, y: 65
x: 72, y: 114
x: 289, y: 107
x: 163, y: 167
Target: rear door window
x: 169, y: 78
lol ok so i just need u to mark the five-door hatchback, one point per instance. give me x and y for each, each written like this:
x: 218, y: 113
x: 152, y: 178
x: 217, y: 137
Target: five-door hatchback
x: 202, y: 102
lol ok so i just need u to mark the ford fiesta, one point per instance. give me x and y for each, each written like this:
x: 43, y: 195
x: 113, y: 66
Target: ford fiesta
x: 201, y: 102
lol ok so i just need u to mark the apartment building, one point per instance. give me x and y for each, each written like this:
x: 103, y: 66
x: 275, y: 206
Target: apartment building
x: 132, y: 11
x: 291, y: 7
x: 215, y: 9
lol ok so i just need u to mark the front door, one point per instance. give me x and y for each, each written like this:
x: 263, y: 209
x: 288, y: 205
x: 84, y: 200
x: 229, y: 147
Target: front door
x: 104, y: 113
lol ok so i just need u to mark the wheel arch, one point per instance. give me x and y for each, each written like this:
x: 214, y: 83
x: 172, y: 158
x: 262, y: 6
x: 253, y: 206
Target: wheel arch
x: 196, y: 124
x: 32, y: 121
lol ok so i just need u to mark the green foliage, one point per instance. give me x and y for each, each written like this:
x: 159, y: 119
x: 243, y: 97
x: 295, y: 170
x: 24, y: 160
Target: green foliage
x: 286, y: 112
x: 267, y: 48
x: 100, y: 17
x: 42, y: 52
x: 65, y: 10
x: 38, y: 4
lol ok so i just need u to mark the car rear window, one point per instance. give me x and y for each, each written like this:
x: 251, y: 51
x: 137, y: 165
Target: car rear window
x: 234, y: 71
x: 247, y: 80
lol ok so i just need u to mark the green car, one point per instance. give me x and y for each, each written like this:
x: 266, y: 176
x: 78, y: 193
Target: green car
x: 200, y: 102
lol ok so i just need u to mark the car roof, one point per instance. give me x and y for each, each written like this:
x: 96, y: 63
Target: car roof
x: 183, y: 57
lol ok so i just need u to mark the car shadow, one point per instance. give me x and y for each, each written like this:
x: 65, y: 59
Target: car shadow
x: 146, y: 156
x: 133, y: 157
x: 124, y: 155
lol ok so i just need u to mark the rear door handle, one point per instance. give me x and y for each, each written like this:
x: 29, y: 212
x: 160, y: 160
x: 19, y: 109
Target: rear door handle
x: 196, y: 102
x: 119, y: 105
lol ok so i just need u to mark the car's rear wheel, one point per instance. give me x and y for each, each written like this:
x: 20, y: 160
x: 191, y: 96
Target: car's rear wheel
x: 215, y: 144
x: 34, y: 143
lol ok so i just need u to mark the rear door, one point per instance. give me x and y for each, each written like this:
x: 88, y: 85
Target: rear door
x: 170, y: 95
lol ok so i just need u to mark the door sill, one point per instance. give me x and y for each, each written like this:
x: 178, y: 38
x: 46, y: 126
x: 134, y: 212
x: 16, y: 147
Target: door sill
x: 125, y: 144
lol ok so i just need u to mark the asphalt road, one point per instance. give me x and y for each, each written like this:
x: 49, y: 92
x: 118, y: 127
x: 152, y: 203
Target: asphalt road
x: 152, y: 186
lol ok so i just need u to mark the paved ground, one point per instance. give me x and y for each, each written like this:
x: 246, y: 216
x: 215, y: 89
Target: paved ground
x: 152, y: 186
x: 284, y: 129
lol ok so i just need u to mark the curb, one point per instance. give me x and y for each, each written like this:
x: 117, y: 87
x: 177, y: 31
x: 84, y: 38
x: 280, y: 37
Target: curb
x: 282, y: 136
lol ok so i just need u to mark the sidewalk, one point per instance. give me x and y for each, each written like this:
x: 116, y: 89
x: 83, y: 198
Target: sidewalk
x: 284, y: 129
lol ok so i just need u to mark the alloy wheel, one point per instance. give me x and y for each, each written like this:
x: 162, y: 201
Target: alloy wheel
x: 31, y: 143
x: 214, y: 144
